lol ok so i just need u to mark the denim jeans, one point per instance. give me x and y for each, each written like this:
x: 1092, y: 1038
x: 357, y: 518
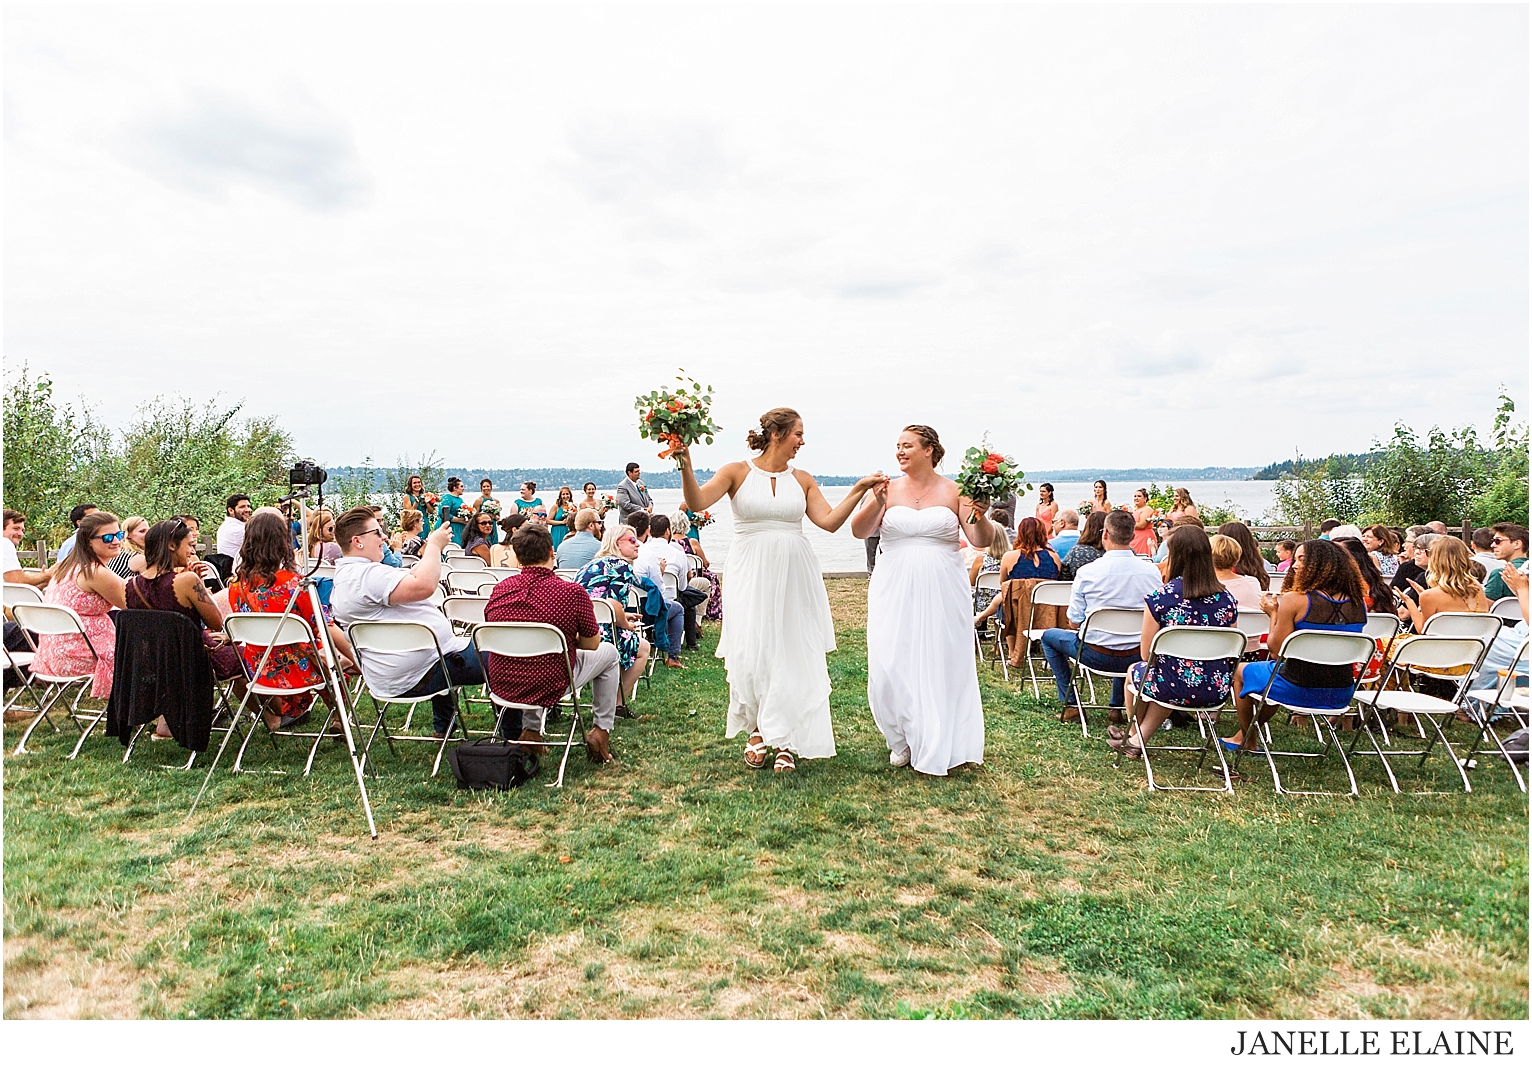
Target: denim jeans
x: 465, y: 669
x: 674, y: 625
x: 1062, y: 645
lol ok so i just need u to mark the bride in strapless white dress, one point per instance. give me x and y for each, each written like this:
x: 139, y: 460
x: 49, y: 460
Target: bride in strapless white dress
x: 776, y: 619
x: 922, y: 683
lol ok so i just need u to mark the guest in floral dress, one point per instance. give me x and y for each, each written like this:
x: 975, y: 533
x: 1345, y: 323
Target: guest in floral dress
x: 264, y: 583
x: 1193, y: 596
x: 610, y: 576
x: 83, y: 582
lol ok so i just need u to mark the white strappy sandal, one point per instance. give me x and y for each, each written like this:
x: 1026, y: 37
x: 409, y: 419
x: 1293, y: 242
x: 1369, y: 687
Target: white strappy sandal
x: 756, y: 748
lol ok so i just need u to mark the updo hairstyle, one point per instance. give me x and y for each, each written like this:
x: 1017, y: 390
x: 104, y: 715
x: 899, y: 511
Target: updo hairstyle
x: 929, y: 438
x: 778, y: 422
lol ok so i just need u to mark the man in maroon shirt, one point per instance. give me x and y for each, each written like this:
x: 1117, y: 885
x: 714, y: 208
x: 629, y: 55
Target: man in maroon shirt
x: 538, y: 595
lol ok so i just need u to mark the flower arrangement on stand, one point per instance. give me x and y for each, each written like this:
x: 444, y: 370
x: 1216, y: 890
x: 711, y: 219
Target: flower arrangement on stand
x: 989, y: 475
x: 680, y: 417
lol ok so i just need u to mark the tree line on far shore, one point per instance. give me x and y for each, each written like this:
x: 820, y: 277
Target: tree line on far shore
x: 182, y: 456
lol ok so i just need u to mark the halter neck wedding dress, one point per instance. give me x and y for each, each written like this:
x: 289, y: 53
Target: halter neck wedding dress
x: 922, y: 683
x: 776, y: 620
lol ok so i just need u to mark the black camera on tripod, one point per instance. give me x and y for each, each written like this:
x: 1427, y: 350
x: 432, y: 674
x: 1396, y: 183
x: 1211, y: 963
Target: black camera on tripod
x: 306, y: 472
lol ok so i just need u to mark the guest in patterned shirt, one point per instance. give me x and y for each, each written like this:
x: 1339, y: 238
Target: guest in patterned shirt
x: 1192, y: 597
x: 537, y: 594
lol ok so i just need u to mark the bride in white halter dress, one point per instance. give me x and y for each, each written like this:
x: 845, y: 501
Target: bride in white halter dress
x: 776, y: 615
x: 922, y: 684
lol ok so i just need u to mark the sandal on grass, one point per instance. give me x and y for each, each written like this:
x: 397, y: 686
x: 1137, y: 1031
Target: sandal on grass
x: 784, y: 763
x: 755, y: 752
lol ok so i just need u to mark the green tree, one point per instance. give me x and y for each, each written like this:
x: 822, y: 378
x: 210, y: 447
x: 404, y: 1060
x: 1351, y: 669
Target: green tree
x: 1319, y: 490
x: 396, y: 482
x: 1411, y: 482
x: 1505, y: 498
x: 49, y: 452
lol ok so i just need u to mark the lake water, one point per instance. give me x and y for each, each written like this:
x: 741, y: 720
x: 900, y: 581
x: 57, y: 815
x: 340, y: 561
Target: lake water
x: 839, y: 552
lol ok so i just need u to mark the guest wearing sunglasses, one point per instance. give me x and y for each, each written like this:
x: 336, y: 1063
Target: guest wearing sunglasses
x: 368, y: 591
x: 83, y: 582
x: 1509, y: 544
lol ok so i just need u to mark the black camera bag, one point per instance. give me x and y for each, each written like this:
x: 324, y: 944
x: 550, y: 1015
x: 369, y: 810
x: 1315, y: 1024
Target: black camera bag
x: 491, y: 764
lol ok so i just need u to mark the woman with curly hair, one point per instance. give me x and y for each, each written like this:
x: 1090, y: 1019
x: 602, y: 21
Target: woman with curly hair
x: 1323, y: 592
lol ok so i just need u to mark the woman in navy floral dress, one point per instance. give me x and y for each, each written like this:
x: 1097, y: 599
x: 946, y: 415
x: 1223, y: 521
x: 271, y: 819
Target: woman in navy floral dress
x: 1193, y: 596
x: 610, y: 576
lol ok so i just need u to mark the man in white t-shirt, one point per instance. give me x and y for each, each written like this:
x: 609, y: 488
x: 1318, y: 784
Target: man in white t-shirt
x: 231, y: 533
x: 657, y: 556
x: 10, y: 569
x: 367, y: 591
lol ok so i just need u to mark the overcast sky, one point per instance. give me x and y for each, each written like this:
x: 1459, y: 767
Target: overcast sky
x: 1110, y: 237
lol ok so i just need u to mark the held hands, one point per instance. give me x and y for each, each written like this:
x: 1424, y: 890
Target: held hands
x: 877, y: 484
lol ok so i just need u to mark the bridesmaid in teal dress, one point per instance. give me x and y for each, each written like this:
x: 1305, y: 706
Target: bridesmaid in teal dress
x: 560, y: 521
x: 417, y: 498
x: 448, y: 508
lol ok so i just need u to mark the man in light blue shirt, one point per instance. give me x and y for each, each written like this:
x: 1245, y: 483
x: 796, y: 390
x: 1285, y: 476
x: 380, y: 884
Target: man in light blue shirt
x: 76, y: 515
x: 1069, y: 535
x: 1118, y: 579
x: 580, y: 547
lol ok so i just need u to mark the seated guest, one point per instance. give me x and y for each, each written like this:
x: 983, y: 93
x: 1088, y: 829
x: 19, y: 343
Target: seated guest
x: 136, y: 528
x: 1029, y: 557
x: 1285, y: 549
x: 1483, y: 542
x: 231, y: 533
x: 1502, y: 653
x: 1251, y: 562
x: 1069, y: 532
x: 693, y: 544
x: 264, y: 581
x: 580, y: 547
x: 1245, y: 589
x: 367, y: 591
x: 538, y: 595
x: 1384, y: 546
x: 390, y: 557
x: 1346, y: 530
x: 610, y: 576
x: 411, y: 537
x: 1324, y: 592
x: 1379, y: 596
x: 170, y: 583
x: 476, y: 538
x: 1194, y: 596
x: 77, y: 515
x: 988, y: 562
x: 1089, y: 548
x: 501, y: 554
x: 1327, y: 525
x: 1450, y: 586
x: 1413, y: 569
x: 1162, y: 528
x: 1118, y: 579
x: 1509, y: 544
x: 83, y: 582
x: 320, y: 543
x: 696, y: 584
x: 655, y: 557
x: 639, y: 520
x: 1438, y: 527
x: 1162, y: 553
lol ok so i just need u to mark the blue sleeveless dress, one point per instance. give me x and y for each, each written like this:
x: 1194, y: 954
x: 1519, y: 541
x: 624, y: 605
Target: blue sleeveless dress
x: 1305, y: 684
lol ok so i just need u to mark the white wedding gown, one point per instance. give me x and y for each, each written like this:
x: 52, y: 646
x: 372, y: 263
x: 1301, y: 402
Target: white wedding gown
x: 776, y: 621
x: 922, y: 683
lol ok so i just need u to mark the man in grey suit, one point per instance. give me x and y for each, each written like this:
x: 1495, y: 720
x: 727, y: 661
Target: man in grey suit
x: 631, y: 494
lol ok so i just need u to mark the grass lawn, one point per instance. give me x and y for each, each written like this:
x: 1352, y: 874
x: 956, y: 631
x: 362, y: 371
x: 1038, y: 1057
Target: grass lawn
x: 678, y: 883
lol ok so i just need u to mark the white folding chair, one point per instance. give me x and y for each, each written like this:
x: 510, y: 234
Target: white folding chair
x: 273, y: 630
x: 403, y: 637
x: 325, y: 570
x: 567, y: 574
x: 636, y: 606
x: 453, y: 551
x: 20, y: 661
x: 1433, y: 655
x: 15, y: 593
x: 1195, y: 644
x: 1507, y: 696
x: 464, y: 562
x: 1507, y: 607
x: 1045, y: 594
x: 990, y: 582
x: 502, y: 572
x: 525, y: 640
x: 1110, y: 621
x: 53, y: 620
x: 1319, y: 648
x: 1255, y: 624
x: 465, y: 611
x: 470, y: 582
x: 670, y: 585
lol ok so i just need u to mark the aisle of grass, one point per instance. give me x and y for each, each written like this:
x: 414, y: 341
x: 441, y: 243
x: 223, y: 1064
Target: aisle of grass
x: 677, y: 882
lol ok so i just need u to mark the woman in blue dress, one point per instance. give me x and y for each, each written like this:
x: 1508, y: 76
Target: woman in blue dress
x: 1323, y: 591
x: 1193, y: 596
x: 561, y: 521
x: 609, y: 576
x: 448, y: 507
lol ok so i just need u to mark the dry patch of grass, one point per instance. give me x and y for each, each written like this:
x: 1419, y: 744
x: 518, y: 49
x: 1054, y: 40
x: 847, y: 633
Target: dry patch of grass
x: 46, y: 978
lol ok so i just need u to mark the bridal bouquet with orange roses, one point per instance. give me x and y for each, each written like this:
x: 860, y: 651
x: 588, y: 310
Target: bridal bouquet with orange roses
x: 988, y: 475
x: 679, y: 417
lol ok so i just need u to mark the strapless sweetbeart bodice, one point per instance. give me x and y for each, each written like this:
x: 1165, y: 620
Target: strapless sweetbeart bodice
x: 928, y: 526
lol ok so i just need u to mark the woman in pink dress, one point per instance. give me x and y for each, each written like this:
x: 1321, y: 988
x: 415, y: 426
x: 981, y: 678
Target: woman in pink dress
x: 1047, y: 506
x: 83, y: 582
x: 1144, y: 540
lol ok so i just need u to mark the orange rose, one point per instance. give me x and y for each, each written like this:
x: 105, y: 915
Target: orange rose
x: 990, y: 467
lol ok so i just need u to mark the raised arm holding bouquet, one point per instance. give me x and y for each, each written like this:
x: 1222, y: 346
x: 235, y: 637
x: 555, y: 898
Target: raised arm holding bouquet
x: 776, y: 622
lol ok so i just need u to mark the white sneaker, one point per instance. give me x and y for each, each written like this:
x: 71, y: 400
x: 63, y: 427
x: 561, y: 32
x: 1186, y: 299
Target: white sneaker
x: 899, y: 758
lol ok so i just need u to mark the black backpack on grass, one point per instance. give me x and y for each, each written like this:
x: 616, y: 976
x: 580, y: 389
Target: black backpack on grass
x: 490, y: 764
